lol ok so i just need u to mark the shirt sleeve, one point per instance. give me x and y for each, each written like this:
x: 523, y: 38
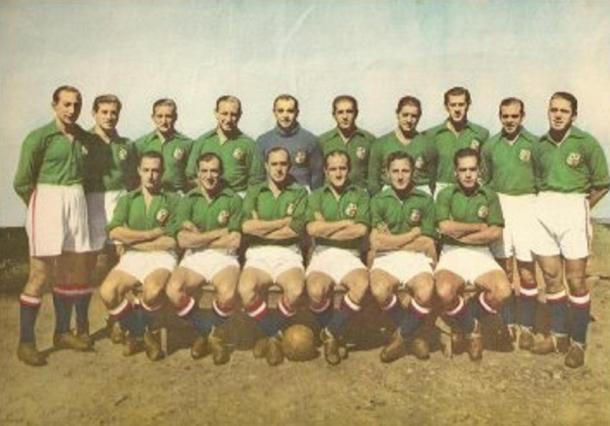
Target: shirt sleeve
x: 376, y: 212
x: 317, y: 166
x: 297, y: 223
x: 249, y: 204
x: 235, y: 206
x: 597, y: 164
x: 442, y: 206
x: 191, y: 164
x: 120, y: 215
x: 313, y: 206
x: 495, y: 211
x: 428, y: 223
x: 257, y: 169
x: 363, y: 215
x: 375, y: 168
x: 30, y: 161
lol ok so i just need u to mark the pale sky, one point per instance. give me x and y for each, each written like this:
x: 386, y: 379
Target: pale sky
x: 378, y: 51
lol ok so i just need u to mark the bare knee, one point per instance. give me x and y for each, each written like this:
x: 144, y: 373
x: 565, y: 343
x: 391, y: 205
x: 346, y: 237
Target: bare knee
x: 247, y: 287
x: 175, y: 290
x: 446, y: 291
x: 357, y: 283
x: 381, y: 288
x: 317, y: 288
x: 423, y: 289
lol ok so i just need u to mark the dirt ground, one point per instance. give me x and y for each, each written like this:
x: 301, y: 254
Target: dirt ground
x: 104, y: 388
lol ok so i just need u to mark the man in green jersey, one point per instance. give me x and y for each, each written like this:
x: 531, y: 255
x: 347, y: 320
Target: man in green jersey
x: 273, y: 222
x: 144, y: 222
x: 209, y: 220
x: 509, y: 171
x: 338, y: 219
x: 49, y: 179
x: 455, y: 133
x: 469, y: 218
x: 350, y: 138
x: 572, y: 175
x: 242, y: 164
x: 174, y: 146
x: 403, y: 241
x: 405, y: 138
x: 110, y: 171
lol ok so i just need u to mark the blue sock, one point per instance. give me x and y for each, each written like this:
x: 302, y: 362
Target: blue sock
x: 202, y: 321
x: 580, y: 311
x: 63, y: 313
x: 131, y: 322
x: 507, y: 312
x: 559, y: 314
x: 270, y: 323
x: 411, y: 322
x: 81, y: 307
x: 396, y: 313
x: 27, y: 318
x: 527, y: 310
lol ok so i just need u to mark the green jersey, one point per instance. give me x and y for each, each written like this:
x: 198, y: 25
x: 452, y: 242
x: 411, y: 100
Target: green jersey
x: 482, y: 206
x: 175, y: 151
x: 240, y: 159
x: 222, y: 211
x: 507, y: 166
x: 400, y: 216
x: 131, y: 212
x: 110, y: 166
x: 448, y: 143
x: 352, y: 204
x: 291, y: 202
x: 575, y: 165
x: 48, y: 156
x: 358, y: 147
x: 421, y: 148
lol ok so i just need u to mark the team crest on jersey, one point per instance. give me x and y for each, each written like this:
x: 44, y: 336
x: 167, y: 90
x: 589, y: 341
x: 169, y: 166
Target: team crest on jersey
x: 351, y: 210
x: 238, y: 154
x: 483, y: 212
x: 223, y: 217
x: 290, y: 209
x: 475, y: 144
x: 420, y: 163
x: 178, y: 154
x: 525, y: 155
x: 573, y: 159
x: 300, y: 157
x: 415, y: 216
x: 162, y: 216
x: 84, y: 150
x: 122, y: 154
x: 361, y: 152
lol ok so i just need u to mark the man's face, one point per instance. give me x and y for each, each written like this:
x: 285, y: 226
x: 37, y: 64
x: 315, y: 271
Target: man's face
x: 165, y: 118
x: 150, y: 172
x: 400, y: 172
x: 511, y: 118
x: 277, y: 166
x: 345, y: 115
x: 286, y: 113
x: 561, y: 115
x: 227, y: 116
x: 209, y: 174
x: 408, y: 117
x: 457, y: 107
x: 107, y: 116
x: 337, y: 170
x: 467, y: 172
x: 67, y: 108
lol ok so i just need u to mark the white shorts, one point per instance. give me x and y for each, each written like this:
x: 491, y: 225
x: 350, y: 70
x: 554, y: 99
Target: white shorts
x: 57, y: 220
x: 334, y: 262
x: 519, y: 222
x: 403, y: 265
x: 274, y: 260
x: 140, y: 264
x: 467, y: 262
x: 100, y: 207
x: 562, y: 225
x: 208, y: 262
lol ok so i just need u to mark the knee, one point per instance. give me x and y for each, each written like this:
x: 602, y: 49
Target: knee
x: 446, y: 292
x: 423, y: 292
x: 246, y: 289
x: 152, y: 293
x: 108, y: 293
x: 293, y: 292
x: 380, y: 289
x: 502, y: 292
x: 225, y: 293
x: 174, y: 291
x: 316, y: 290
x: 358, y: 287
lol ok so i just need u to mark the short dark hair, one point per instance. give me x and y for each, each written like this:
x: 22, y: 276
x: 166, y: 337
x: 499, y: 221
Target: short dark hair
x: 229, y: 98
x: 286, y: 97
x: 66, y: 88
x: 209, y: 156
x: 106, y: 99
x: 457, y: 91
x: 509, y: 101
x: 399, y: 155
x: 466, y: 152
x: 342, y: 98
x: 568, y: 97
x: 408, y: 100
x: 165, y: 102
x: 336, y: 152
x: 277, y: 149
x: 152, y: 154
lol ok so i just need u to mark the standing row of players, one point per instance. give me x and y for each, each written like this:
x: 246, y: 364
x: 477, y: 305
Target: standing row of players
x: 566, y: 167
